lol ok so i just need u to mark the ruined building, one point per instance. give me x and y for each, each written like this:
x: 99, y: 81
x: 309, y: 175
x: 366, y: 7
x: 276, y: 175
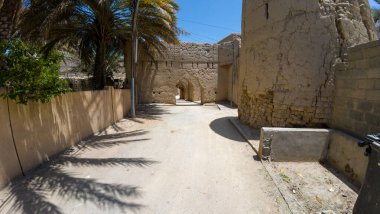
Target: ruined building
x: 228, y: 68
x: 290, y: 50
x: 203, y: 73
x: 189, y: 68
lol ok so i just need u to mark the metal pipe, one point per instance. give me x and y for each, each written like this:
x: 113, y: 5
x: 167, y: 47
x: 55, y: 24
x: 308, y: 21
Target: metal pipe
x: 134, y: 55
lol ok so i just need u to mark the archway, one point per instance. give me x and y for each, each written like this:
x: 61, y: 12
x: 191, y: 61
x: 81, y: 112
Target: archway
x: 182, y: 90
x: 188, y: 90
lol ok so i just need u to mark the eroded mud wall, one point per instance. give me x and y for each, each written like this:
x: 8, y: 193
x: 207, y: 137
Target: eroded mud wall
x: 289, y: 52
x: 193, y: 67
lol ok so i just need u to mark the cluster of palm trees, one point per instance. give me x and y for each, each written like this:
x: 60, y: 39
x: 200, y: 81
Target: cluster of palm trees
x: 97, y: 29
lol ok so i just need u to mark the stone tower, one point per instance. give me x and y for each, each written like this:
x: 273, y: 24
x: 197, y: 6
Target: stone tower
x: 290, y: 49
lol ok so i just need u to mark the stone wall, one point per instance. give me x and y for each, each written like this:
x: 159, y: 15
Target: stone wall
x: 202, y: 73
x: 189, y: 67
x: 290, y: 49
x: 39, y: 131
x: 357, y: 97
x: 228, y: 68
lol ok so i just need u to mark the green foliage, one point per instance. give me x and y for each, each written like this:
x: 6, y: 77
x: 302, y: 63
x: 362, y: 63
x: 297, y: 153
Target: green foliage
x: 285, y: 177
x: 29, y: 75
x: 376, y: 15
x: 97, y: 29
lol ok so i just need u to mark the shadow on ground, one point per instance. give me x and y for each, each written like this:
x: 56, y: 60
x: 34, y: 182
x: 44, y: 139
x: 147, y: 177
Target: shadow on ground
x: 223, y: 127
x: 149, y: 112
x: 187, y: 103
x: 347, y: 181
x: 32, y: 194
x: 226, y: 104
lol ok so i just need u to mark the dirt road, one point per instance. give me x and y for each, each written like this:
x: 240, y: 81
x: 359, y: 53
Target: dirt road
x: 171, y: 159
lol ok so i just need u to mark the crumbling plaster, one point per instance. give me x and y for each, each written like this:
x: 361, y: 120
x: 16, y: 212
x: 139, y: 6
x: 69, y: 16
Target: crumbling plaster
x: 289, y: 52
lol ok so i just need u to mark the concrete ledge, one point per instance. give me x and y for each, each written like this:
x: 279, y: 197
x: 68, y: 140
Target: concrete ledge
x: 290, y: 144
x: 346, y: 157
x: 338, y: 149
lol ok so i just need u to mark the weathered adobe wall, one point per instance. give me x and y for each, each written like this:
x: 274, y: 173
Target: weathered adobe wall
x: 290, y: 49
x: 193, y: 67
x: 228, y: 69
x: 357, y: 97
x: 43, y: 130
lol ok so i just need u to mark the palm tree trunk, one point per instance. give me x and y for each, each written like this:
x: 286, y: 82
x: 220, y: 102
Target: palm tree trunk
x: 9, y: 14
x: 100, y: 66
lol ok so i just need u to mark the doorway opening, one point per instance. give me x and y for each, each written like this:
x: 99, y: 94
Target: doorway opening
x: 187, y: 93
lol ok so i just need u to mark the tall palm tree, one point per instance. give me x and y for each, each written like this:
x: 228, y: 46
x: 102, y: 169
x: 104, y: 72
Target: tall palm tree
x: 9, y: 14
x: 157, y: 21
x: 94, y: 27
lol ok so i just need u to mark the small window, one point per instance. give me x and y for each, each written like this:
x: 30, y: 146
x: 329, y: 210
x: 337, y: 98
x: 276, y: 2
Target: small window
x: 267, y: 10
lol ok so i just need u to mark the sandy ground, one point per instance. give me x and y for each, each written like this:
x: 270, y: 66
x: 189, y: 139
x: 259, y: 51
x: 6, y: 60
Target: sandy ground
x: 171, y: 159
x: 316, y: 188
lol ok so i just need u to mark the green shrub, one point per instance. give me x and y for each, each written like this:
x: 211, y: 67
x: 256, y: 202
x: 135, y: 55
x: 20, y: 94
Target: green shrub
x: 29, y: 75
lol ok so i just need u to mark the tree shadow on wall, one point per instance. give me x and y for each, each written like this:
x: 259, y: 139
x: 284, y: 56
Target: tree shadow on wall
x: 32, y: 194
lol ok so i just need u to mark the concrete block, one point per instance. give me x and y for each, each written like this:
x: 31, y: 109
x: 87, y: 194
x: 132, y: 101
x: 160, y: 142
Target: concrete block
x: 365, y: 84
x: 356, y: 115
x: 289, y: 144
x: 373, y: 72
x: 355, y: 54
x: 358, y: 94
x: 364, y: 106
x: 373, y: 95
x: 372, y: 119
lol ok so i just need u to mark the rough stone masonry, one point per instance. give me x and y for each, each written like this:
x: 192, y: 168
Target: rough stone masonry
x: 289, y: 52
x: 188, y: 67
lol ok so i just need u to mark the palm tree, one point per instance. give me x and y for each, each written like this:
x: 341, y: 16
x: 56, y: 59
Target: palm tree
x: 376, y: 12
x: 9, y: 14
x: 157, y: 23
x: 376, y: 16
x: 98, y: 27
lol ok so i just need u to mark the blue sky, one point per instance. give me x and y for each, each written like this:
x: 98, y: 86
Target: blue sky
x: 373, y: 3
x: 209, y: 21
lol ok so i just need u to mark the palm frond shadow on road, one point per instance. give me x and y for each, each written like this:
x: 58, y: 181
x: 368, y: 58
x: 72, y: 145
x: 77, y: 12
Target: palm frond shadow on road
x: 32, y: 194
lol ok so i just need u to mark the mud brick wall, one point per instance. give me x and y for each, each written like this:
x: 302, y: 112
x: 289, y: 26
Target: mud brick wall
x: 190, y: 66
x: 357, y: 97
x: 228, y: 70
x: 290, y: 50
